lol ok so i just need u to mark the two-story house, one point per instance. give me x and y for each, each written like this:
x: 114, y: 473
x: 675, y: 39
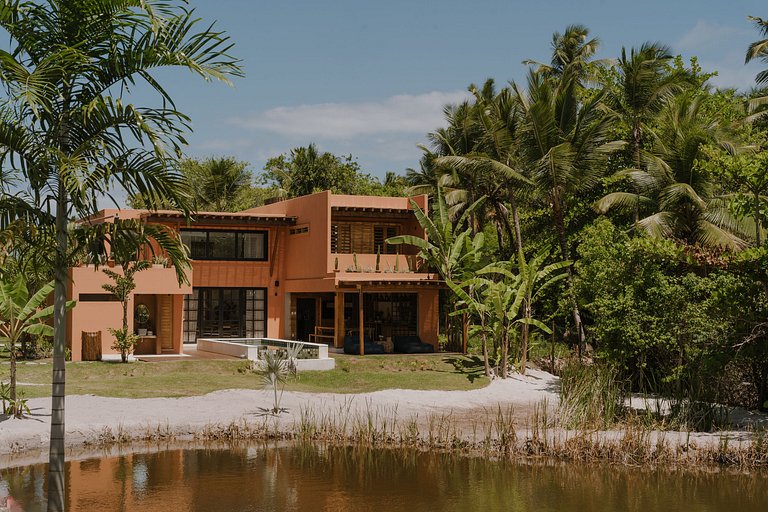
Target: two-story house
x: 314, y: 268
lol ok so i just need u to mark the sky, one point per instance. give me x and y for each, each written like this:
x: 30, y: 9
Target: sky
x: 371, y: 78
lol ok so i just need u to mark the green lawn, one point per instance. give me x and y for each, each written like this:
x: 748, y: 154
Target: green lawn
x: 186, y: 378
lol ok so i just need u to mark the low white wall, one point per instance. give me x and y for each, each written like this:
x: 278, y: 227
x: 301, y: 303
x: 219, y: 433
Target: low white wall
x: 235, y: 349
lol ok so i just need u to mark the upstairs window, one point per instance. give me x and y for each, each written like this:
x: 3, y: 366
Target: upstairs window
x: 225, y: 245
x: 362, y: 238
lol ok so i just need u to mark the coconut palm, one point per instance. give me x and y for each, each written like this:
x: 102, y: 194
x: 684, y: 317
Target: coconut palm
x: 564, y: 146
x: 216, y: 182
x: 68, y: 133
x: 490, y: 170
x: 677, y: 196
x: 759, y: 49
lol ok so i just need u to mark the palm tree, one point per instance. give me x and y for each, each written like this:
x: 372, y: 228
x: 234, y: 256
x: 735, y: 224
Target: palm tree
x: 564, y: 145
x: 67, y: 136
x: 759, y: 49
x: 678, y: 195
x: 449, y: 247
x: 644, y: 86
x: 23, y: 313
x: 216, y: 182
x: 490, y: 170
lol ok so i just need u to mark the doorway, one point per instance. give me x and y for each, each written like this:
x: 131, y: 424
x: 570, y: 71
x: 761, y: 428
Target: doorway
x: 306, y: 318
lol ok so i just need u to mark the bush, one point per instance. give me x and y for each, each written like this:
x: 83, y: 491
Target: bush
x: 125, y: 342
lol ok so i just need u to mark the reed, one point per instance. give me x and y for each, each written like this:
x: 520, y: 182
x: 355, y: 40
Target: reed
x: 492, y: 434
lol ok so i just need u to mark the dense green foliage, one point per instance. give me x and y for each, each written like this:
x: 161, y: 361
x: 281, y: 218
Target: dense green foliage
x: 653, y: 186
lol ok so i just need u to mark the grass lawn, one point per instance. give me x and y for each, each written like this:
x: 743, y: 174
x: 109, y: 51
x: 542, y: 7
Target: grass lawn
x: 197, y: 377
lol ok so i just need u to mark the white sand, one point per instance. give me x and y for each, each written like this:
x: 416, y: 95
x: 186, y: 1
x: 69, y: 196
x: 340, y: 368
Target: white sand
x: 91, y: 420
x: 87, y: 416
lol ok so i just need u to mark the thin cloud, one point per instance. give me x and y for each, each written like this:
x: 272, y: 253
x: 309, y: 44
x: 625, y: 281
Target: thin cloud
x: 706, y: 35
x: 401, y: 114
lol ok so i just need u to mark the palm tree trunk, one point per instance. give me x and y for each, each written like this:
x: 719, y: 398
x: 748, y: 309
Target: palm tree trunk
x: 637, y: 136
x: 13, y: 370
x: 56, y: 489
x: 524, y: 345
x: 504, y: 353
x: 565, y: 253
x: 757, y: 219
x: 516, y: 222
x: 486, y: 362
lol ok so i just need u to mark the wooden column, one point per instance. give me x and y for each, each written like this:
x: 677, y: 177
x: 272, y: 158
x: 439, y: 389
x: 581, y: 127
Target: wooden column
x: 339, y: 312
x: 362, y: 325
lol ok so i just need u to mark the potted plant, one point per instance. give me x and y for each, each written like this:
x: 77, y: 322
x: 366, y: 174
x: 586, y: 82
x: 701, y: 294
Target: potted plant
x: 141, y: 317
x: 159, y: 261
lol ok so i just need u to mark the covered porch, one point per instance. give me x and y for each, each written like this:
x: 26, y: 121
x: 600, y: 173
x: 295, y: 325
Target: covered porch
x: 367, y: 313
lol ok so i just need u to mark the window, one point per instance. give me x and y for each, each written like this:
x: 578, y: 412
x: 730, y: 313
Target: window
x: 362, y: 238
x: 226, y: 245
x: 299, y: 230
x: 225, y: 313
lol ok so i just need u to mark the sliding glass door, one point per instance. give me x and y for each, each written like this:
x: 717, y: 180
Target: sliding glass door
x: 225, y: 313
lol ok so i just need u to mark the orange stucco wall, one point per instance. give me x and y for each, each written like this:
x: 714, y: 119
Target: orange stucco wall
x: 297, y: 263
x: 100, y: 316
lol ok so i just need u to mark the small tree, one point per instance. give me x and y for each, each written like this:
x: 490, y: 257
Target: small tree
x: 275, y: 367
x: 121, y: 288
x: 20, y: 314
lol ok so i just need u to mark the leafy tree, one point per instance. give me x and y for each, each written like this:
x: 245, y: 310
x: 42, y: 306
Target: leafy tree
x: 305, y: 170
x: 746, y: 174
x: 71, y: 141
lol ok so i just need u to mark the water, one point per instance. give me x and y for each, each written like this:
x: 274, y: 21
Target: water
x: 317, y: 478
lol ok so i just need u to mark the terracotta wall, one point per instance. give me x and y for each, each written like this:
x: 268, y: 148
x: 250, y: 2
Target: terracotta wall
x: 306, y: 254
x: 102, y: 315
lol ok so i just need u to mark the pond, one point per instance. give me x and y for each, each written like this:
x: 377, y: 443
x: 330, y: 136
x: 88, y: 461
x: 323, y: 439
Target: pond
x: 253, y: 477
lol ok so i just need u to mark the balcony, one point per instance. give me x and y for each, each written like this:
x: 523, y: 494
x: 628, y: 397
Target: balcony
x: 366, y: 263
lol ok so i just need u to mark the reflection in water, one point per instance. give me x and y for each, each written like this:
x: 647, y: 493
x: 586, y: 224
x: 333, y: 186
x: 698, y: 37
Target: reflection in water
x: 314, y: 478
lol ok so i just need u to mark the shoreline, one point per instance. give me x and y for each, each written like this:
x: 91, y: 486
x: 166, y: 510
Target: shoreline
x: 506, y: 418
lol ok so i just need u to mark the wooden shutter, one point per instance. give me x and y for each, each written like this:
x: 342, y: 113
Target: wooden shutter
x: 165, y: 322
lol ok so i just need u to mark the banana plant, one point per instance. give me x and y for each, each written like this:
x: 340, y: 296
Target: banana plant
x: 449, y: 247
x: 22, y: 313
x: 530, y: 281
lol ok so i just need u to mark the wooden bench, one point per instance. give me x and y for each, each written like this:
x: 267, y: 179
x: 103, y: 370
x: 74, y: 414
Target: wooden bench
x: 323, y: 333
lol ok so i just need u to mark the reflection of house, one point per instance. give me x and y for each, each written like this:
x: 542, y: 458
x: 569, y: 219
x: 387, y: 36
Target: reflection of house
x: 314, y: 268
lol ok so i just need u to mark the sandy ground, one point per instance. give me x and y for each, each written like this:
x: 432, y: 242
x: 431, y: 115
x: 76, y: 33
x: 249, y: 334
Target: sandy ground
x: 92, y: 419
x: 87, y: 416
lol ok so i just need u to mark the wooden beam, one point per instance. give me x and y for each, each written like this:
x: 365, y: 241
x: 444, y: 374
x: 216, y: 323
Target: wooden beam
x: 339, y: 313
x: 362, y: 315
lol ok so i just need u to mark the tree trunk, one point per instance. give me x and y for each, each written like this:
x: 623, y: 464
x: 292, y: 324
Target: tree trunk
x: 486, y: 362
x: 524, y: 345
x: 757, y: 219
x: 56, y: 489
x: 565, y: 253
x: 13, y: 370
x: 504, y: 355
x: 636, y: 145
x: 516, y: 222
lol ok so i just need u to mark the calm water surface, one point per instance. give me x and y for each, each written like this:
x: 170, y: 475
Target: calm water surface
x: 317, y: 478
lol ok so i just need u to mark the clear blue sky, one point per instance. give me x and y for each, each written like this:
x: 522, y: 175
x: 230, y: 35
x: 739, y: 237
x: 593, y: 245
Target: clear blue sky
x: 370, y: 78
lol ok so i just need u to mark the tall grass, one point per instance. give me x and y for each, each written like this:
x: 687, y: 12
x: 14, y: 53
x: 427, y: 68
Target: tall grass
x: 591, y: 396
